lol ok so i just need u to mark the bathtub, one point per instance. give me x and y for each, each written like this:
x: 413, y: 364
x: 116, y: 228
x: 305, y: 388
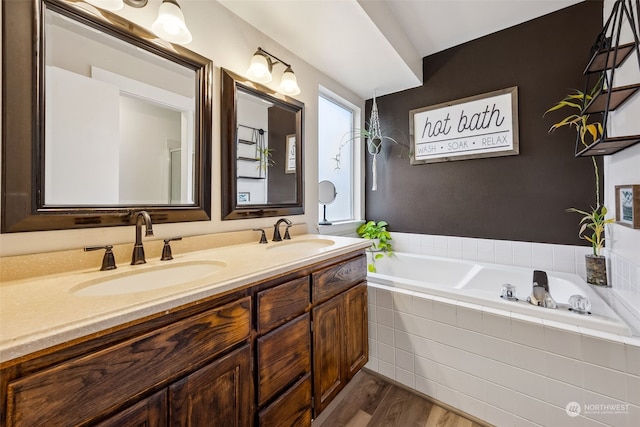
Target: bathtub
x: 480, y: 284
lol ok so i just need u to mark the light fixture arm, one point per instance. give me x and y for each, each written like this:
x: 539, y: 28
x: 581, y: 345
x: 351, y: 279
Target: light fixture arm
x: 273, y: 57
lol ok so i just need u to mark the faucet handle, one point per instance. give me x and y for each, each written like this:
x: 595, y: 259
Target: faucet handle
x: 108, y: 260
x: 263, y: 236
x: 166, y: 249
x: 287, y: 236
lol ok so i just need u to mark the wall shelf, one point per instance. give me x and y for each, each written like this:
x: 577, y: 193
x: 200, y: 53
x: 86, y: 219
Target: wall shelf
x: 609, y: 55
x: 609, y: 145
x: 248, y: 159
x: 599, y: 59
x: 618, y: 97
x: 246, y: 142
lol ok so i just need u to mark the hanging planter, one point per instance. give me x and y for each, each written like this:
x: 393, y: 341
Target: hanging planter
x: 373, y: 138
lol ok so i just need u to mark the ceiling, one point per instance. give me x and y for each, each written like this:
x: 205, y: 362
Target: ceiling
x: 377, y: 46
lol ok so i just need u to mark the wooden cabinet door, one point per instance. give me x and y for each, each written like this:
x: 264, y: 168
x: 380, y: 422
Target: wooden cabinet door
x: 357, y: 341
x: 150, y: 412
x: 329, y: 375
x: 283, y: 356
x: 220, y: 394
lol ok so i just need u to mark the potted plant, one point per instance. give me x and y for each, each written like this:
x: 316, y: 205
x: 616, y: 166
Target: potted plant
x: 592, y: 230
x: 376, y: 231
x: 593, y: 222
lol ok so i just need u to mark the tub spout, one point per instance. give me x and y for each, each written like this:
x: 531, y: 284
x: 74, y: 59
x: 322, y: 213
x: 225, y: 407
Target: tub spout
x: 540, y: 294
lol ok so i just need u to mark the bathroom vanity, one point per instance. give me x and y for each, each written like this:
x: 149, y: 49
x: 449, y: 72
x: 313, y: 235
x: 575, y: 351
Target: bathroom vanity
x: 270, y: 344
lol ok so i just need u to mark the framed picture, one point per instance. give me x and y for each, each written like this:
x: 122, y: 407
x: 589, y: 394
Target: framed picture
x: 479, y: 126
x: 290, y: 164
x: 628, y: 205
x: 244, y: 197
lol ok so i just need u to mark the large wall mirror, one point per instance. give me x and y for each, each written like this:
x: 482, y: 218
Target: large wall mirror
x: 262, y: 148
x: 101, y: 119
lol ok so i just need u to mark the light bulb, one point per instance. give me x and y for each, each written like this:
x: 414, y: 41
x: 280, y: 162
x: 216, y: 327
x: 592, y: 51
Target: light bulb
x: 170, y: 24
x: 289, y: 84
x: 259, y: 69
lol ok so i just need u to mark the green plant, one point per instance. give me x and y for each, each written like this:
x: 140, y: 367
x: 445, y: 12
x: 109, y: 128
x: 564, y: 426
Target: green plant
x: 376, y: 231
x: 264, y: 155
x: 579, y: 120
x: 592, y: 227
x: 577, y: 99
x: 595, y: 220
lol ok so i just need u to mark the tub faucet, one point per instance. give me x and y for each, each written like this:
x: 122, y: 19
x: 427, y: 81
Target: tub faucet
x: 276, y: 230
x: 142, y: 217
x: 540, y: 294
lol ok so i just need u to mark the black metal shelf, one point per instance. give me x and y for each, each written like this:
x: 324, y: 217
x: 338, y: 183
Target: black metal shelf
x: 248, y: 159
x: 608, y: 55
x: 599, y: 60
x: 246, y: 142
x: 609, y: 145
x: 250, y: 177
x: 618, y: 96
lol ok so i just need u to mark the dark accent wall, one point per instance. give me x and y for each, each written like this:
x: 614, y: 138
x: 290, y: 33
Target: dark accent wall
x: 281, y: 186
x: 521, y: 197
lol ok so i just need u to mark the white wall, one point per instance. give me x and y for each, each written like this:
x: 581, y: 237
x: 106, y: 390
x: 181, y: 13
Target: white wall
x: 230, y: 43
x: 623, y: 168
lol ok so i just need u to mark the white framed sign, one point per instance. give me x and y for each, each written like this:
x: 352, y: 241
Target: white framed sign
x: 290, y: 166
x: 469, y: 128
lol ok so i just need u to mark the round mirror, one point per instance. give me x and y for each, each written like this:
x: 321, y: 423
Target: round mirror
x: 326, y: 195
x: 326, y: 192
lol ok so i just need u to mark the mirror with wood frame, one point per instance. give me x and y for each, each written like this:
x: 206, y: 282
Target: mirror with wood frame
x: 262, y: 150
x: 101, y: 119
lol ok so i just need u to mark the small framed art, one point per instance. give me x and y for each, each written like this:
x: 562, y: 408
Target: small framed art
x: 628, y: 205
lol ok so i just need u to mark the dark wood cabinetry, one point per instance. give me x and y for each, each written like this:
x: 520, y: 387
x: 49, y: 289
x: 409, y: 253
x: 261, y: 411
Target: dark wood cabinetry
x: 340, y: 343
x: 357, y: 326
x: 340, y: 327
x: 328, y: 344
x: 79, y: 390
x: 262, y: 354
x: 217, y: 395
x: 149, y: 412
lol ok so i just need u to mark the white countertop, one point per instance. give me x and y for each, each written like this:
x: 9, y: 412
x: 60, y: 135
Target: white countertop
x: 42, y: 312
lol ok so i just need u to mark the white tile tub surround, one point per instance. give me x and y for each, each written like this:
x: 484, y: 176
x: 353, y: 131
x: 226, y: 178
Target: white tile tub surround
x: 542, y: 256
x: 505, y: 368
x: 624, y: 275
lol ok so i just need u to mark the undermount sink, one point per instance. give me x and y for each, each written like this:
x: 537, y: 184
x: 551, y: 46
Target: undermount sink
x: 151, y: 278
x: 300, y: 245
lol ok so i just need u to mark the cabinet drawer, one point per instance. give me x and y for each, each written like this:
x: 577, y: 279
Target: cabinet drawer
x: 292, y: 409
x: 337, y: 278
x: 283, y: 356
x: 281, y: 303
x: 84, y: 388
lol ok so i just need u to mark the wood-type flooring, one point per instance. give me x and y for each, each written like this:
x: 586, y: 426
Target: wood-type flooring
x: 370, y: 401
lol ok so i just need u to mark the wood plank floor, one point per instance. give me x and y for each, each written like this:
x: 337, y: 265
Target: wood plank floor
x: 370, y: 401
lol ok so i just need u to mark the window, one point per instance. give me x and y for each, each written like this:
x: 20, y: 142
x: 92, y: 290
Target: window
x: 336, y: 123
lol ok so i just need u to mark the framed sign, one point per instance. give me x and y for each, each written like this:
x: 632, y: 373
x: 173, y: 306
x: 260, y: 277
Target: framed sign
x: 290, y: 166
x: 470, y: 128
x: 628, y: 205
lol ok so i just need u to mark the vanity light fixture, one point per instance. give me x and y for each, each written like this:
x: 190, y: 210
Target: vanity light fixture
x: 260, y: 68
x: 169, y: 25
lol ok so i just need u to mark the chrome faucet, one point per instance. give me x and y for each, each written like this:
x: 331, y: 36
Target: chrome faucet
x: 142, y: 217
x: 276, y: 230
x: 540, y: 294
